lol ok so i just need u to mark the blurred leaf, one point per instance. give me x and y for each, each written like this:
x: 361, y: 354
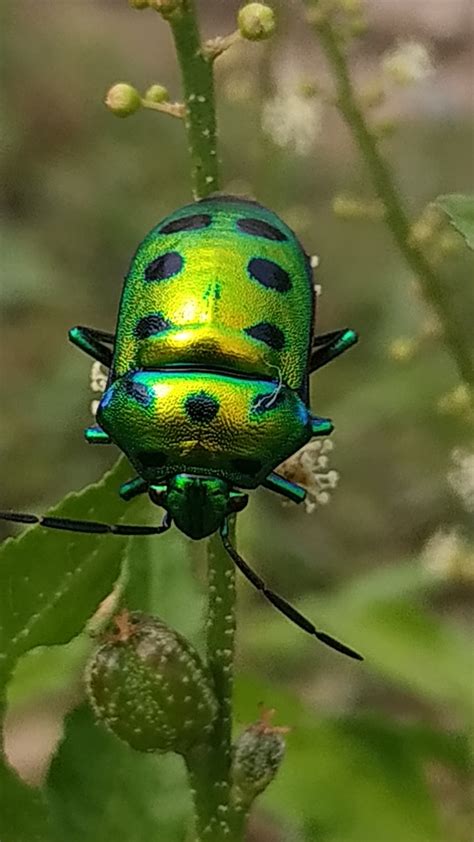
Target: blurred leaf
x: 51, y: 582
x: 345, y: 780
x: 379, y: 614
x: 48, y: 671
x: 100, y: 789
x: 460, y: 210
x: 23, y: 814
x: 160, y: 580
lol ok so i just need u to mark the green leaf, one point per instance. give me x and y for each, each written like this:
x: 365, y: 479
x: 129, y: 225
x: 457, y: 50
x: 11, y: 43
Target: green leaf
x: 100, y: 789
x: 162, y: 582
x: 51, y: 581
x: 23, y: 813
x: 345, y: 780
x: 460, y: 210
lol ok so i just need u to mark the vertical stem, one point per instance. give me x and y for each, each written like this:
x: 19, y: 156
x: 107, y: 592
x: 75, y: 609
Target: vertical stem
x: 398, y: 221
x: 209, y: 766
x: 198, y: 85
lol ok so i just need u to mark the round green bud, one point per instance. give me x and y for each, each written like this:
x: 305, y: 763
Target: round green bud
x: 157, y: 93
x: 166, y: 7
x: 257, y: 757
x: 148, y: 685
x: 123, y: 99
x: 256, y: 21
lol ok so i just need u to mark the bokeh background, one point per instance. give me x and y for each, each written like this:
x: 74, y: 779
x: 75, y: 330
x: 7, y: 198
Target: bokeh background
x: 387, y: 563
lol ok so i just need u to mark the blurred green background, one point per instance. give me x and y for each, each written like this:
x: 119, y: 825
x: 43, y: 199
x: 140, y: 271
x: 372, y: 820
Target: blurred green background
x: 379, y: 752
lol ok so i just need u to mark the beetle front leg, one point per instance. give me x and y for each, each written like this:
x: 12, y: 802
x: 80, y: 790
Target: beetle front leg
x: 91, y: 341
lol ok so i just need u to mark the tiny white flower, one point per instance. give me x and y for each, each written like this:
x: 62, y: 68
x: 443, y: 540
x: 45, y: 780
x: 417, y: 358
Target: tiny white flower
x: 408, y: 62
x: 309, y: 468
x: 98, y: 377
x: 461, y: 477
x: 447, y: 556
x: 292, y: 121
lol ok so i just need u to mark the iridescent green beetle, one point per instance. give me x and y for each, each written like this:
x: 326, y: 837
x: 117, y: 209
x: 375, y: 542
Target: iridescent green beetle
x: 208, y: 371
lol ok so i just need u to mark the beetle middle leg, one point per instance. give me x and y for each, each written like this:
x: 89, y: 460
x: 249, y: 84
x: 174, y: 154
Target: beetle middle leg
x: 328, y: 346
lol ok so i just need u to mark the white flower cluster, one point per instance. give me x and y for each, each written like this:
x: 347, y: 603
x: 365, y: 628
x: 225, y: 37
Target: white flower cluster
x: 447, y: 556
x: 98, y: 382
x: 408, y: 62
x: 461, y: 477
x: 309, y: 467
x: 293, y: 121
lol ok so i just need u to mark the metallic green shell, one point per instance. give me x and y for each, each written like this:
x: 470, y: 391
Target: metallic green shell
x: 171, y: 422
x: 219, y: 283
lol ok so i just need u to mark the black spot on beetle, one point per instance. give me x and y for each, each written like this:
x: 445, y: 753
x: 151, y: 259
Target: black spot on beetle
x: 163, y: 267
x: 187, y: 223
x: 150, y: 325
x: 139, y: 392
x: 201, y: 407
x: 269, y: 274
x: 152, y: 458
x: 246, y: 466
x: 260, y: 228
x: 268, y: 333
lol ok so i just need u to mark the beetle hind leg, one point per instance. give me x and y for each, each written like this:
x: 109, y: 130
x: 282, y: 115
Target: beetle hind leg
x: 281, y: 485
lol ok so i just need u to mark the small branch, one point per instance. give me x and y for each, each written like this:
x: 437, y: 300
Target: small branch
x: 198, y: 84
x: 396, y: 217
x: 174, y: 109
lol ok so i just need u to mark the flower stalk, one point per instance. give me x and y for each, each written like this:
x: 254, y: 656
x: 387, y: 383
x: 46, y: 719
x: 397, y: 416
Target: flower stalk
x: 350, y: 106
x: 198, y: 87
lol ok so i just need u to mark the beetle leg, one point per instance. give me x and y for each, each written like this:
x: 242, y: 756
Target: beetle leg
x: 281, y: 485
x: 91, y: 341
x: 328, y: 346
x: 321, y: 426
x: 132, y: 488
x: 90, y: 527
x: 96, y: 435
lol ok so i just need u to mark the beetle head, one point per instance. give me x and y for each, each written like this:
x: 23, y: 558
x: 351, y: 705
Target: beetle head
x: 198, y: 505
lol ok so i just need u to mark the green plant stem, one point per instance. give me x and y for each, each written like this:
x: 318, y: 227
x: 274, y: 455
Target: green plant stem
x: 209, y: 766
x: 198, y: 85
x: 433, y: 287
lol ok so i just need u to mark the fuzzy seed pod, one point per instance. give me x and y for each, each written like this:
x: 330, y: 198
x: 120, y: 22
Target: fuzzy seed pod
x: 256, y: 21
x: 257, y: 757
x: 149, y: 686
x: 123, y: 99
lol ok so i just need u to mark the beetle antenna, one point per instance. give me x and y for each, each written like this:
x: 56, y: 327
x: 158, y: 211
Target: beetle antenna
x: 91, y: 527
x: 281, y: 604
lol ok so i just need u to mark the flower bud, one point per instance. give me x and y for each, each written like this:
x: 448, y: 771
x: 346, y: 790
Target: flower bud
x: 123, y: 99
x: 149, y: 686
x: 166, y: 7
x: 403, y: 349
x: 138, y: 4
x: 257, y: 757
x: 256, y: 22
x: 157, y: 93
